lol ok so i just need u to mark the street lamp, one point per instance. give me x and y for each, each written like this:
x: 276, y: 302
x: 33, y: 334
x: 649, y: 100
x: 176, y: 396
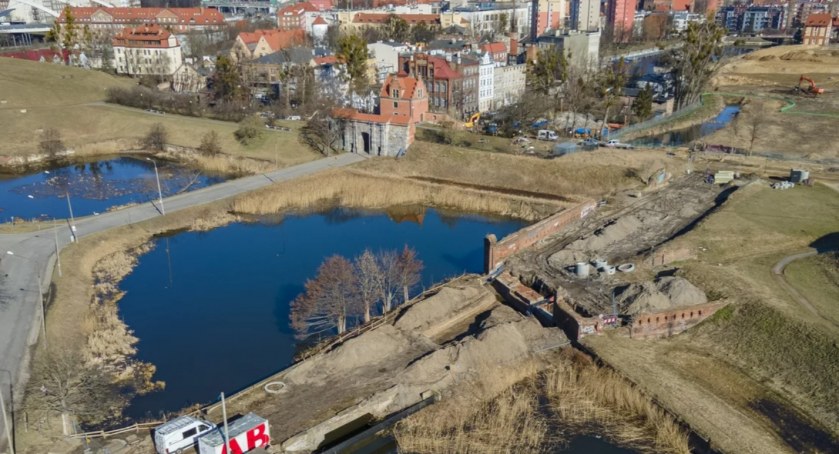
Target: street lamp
x: 72, y: 220
x: 40, y: 296
x: 8, y: 429
x: 159, y: 192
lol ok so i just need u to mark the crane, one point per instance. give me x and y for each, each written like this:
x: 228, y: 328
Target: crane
x: 812, y: 89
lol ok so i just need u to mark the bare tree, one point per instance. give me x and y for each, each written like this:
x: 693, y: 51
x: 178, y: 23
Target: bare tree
x: 389, y: 268
x: 369, y: 281
x: 51, y: 143
x: 330, y: 299
x: 62, y: 383
x: 323, y: 133
x: 156, y: 138
x: 409, y: 268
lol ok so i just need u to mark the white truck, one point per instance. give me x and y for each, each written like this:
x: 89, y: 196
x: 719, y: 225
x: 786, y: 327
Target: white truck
x: 246, y: 434
x: 180, y: 434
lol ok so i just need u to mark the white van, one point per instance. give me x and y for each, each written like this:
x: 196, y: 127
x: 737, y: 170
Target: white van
x: 180, y: 434
x: 545, y: 134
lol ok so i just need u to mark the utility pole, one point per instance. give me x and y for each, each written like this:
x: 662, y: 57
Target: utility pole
x: 226, y: 433
x: 57, y: 255
x: 72, y: 219
x: 159, y: 192
x: 9, y: 429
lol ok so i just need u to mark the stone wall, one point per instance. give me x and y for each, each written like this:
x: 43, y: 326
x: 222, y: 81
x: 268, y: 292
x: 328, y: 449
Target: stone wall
x: 671, y: 322
x: 383, y: 139
x: 495, y: 252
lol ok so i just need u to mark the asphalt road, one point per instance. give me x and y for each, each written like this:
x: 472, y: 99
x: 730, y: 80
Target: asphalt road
x: 27, y: 256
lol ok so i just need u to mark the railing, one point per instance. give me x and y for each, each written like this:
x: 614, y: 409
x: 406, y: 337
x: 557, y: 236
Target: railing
x: 109, y: 433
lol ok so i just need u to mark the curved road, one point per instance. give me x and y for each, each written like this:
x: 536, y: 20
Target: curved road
x: 33, y: 254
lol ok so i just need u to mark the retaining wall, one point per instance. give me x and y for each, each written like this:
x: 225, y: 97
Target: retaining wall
x: 495, y: 252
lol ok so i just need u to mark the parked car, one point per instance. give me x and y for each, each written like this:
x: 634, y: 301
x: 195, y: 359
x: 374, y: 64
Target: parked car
x: 546, y: 134
x: 590, y: 143
x: 180, y: 434
x: 293, y: 117
x: 615, y: 143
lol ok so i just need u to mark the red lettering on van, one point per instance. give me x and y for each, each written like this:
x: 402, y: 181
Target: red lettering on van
x: 257, y: 437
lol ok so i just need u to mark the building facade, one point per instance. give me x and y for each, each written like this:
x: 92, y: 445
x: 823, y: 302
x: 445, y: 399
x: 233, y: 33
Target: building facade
x: 585, y: 15
x: 818, y: 30
x: 102, y: 20
x: 486, y: 80
x: 509, y: 83
x: 547, y: 15
x: 620, y: 18
x: 403, y: 101
x: 148, y: 50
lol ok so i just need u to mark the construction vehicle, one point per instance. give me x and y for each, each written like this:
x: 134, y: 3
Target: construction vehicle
x: 472, y: 120
x: 812, y: 90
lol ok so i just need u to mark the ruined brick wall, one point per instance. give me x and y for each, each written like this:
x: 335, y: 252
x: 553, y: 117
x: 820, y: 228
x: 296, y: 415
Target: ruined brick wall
x: 496, y: 251
x: 669, y: 323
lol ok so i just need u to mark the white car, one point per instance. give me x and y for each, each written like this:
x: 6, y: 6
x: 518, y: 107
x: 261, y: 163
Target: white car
x: 180, y: 434
x: 614, y: 143
x: 293, y: 117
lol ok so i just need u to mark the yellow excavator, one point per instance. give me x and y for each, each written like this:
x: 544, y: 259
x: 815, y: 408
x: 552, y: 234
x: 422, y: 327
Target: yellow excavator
x: 472, y: 120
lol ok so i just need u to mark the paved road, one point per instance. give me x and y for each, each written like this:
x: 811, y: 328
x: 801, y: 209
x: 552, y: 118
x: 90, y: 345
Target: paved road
x: 33, y: 253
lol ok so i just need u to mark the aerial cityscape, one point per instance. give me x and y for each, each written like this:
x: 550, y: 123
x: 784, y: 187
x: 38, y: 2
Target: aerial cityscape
x: 414, y: 226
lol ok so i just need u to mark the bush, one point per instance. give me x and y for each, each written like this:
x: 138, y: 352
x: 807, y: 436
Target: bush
x: 156, y: 138
x: 250, y: 129
x: 209, y: 144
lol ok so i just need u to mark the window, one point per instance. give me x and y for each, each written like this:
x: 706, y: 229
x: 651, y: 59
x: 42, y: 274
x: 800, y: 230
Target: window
x: 190, y: 432
x: 395, y: 104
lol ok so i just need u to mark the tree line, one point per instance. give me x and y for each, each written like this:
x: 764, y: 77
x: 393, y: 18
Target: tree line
x: 345, y: 291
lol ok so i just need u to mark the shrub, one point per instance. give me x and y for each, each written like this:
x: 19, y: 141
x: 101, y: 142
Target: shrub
x: 209, y: 144
x: 250, y: 129
x: 156, y: 138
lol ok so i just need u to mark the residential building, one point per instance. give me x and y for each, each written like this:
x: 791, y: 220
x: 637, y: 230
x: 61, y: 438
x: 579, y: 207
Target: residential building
x: 187, y: 79
x: 681, y: 19
x: 509, y: 83
x: 496, y: 17
x: 581, y: 48
x: 497, y: 50
x: 386, y: 57
x: 357, y: 21
x: 148, y: 50
x: 269, y: 73
x: 751, y: 19
x: 251, y: 45
x: 620, y: 17
x: 101, y: 20
x: 818, y: 30
x: 547, y: 15
x: 293, y: 16
x: 585, y: 15
x: 443, y: 81
x: 403, y: 101
x: 486, y: 80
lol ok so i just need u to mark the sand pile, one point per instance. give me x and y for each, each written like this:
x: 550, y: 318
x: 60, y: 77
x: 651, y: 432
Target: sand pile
x: 439, y: 308
x: 662, y: 294
x: 781, y: 60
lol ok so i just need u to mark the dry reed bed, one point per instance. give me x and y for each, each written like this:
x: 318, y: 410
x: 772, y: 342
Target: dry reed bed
x: 535, y: 415
x: 358, y: 189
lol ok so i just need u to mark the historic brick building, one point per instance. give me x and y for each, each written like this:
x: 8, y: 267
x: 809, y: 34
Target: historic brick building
x: 403, y: 101
x: 101, y: 20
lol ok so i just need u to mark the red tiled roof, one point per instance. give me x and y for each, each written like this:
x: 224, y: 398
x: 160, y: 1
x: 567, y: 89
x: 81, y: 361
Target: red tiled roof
x: 405, y: 84
x: 819, y: 20
x: 297, y: 9
x: 327, y: 60
x: 442, y: 70
x: 319, y: 21
x: 149, y: 35
x: 494, y: 48
x: 352, y: 114
x: 198, y: 16
x: 382, y: 18
x: 282, y: 39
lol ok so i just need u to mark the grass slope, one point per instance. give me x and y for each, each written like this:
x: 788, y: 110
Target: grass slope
x: 71, y: 100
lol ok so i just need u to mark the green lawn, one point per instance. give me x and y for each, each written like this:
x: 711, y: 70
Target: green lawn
x: 817, y: 278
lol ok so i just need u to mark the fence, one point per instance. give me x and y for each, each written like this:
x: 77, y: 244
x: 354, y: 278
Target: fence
x: 683, y: 112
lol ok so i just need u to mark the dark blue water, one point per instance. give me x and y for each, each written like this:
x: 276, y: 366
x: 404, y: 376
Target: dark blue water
x: 93, y: 187
x: 691, y: 133
x: 212, y: 309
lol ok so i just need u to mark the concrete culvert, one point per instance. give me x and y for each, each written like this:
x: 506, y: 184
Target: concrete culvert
x: 275, y: 387
x: 627, y: 268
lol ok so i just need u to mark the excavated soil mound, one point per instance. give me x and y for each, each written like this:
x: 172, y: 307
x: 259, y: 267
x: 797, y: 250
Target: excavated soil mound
x: 662, y: 294
x: 440, y: 307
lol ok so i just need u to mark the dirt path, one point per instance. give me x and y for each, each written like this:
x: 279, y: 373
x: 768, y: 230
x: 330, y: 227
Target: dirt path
x: 780, y: 277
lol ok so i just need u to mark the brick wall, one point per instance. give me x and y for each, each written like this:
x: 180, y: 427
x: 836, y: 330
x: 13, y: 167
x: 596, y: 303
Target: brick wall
x: 669, y: 323
x: 495, y: 252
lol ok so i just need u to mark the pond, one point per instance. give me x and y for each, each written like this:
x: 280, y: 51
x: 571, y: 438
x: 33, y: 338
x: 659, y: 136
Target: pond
x: 686, y: 135
x: 93, y: 187
x: 211, y: 309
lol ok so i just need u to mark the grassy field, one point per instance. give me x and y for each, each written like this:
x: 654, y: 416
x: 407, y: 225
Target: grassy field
x: 817, y: 278
x: 762, y: 373
x: 583, y: 174
x: 70, y: 100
